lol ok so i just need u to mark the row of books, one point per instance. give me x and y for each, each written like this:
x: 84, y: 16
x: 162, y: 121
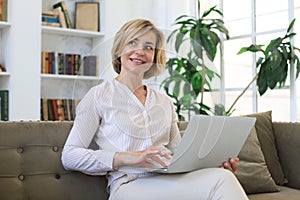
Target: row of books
x: 58, y: 109
x: 4, y: 105
x: 68, y: 64
x: 3, y: 10
x: 60, y: 63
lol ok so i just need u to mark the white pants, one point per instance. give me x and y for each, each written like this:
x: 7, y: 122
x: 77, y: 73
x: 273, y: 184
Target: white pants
x: 205, y: 184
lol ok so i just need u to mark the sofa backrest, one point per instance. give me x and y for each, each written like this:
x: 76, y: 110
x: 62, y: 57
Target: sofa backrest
x: 287, y: 136
x: 30, y: 165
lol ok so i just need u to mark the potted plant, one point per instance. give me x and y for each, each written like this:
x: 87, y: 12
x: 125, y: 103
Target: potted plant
x: 273, y: 65
x: 189, y: 75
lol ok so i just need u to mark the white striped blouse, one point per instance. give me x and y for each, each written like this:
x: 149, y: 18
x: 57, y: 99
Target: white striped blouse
x: 113, y: 116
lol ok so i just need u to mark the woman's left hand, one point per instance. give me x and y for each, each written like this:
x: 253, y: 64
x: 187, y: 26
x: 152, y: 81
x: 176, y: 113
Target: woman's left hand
x: 231, y: 164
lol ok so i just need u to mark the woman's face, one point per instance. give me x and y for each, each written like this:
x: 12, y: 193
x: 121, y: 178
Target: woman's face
x: 138, y: 55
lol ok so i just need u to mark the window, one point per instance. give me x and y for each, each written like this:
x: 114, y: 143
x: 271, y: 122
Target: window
x: 270, y: 20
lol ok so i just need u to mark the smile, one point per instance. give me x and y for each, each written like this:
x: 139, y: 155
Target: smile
x: 137, y: 61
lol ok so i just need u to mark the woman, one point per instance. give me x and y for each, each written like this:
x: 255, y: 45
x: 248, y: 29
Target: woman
x: 136, y: 126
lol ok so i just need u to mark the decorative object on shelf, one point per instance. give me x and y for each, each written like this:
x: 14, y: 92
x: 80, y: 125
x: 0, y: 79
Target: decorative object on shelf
x: 90, y: 66
x: 4, y: 105
x: 189, y: 74
x: 3, y: 10
x: 87, y: 16
x: 63, y: 7
x: 273, y: 66
x: 2, y: 68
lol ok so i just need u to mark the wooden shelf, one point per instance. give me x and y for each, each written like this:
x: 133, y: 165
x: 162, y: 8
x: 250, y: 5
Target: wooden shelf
x: 71, y: 32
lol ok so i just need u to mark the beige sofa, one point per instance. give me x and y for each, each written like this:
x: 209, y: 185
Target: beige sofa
x: 30, y: 166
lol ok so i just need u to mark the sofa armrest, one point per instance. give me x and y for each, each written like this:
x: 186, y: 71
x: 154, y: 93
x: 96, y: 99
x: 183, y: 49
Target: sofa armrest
x: 287, y: 136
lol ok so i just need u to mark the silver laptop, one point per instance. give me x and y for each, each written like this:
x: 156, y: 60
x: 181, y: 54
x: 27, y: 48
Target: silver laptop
x: 207, y: 142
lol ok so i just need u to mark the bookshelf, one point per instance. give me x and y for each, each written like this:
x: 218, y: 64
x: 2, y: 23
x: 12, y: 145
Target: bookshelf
x: 25, y: 38
x: 68, y: 41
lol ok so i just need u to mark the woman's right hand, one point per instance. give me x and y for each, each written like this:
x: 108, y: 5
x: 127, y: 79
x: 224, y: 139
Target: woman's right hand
x: 146, y: 158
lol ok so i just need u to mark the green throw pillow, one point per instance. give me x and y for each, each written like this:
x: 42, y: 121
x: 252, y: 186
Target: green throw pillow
x: 264, y: 129
x: 252, y: 172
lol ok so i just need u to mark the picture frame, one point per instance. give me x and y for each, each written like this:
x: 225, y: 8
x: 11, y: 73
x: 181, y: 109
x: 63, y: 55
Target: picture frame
x: 87, y: 16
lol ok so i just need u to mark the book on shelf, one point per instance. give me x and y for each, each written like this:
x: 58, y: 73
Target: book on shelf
x: 3, y: 10
x: 58, y: 109
x: 52, y: 24
x: 60, y: 63
x: 4, y: 105
x: 44, y: 110
x: 50, y: 18
x: 61, y: 17
x: 64, y: 9
x: 90, y: 66
x: 87, y: 16
x: 54, y: 109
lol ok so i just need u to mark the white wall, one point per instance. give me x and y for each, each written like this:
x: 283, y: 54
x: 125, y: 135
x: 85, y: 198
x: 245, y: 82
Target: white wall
x: 117, y: 12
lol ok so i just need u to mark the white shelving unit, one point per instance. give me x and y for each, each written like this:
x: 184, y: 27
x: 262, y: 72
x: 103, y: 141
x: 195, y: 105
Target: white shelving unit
x: 68, y: 41
x: 71, y: 32
x: 22, y: 39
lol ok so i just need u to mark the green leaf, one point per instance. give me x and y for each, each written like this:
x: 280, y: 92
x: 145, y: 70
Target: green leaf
x: 186, y: 88
x: 178, y: 41
x: 259, y: 61
x: 186, y: 23
x: 176, y: 88
x: 291, y: 35
x: 274, y: 44
x: 221, y: 28
x: 252, y: 48
x: 291, y: 25
x: 285, y: 53
x: 172, y: 35
x: 262, y: 79
x: 206, y: 13
x: 210, y: 40
x: 196, y: 42
x: 180, y: 17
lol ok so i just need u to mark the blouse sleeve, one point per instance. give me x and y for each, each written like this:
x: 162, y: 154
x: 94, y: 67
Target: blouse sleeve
x: 76, y: 155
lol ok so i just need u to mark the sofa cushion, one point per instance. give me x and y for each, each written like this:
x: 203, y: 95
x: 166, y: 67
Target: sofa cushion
x: 31, y: 168
x: 288, y: 144
x: 252, y: 172
x: 285, y: 193
x: 264, y: 129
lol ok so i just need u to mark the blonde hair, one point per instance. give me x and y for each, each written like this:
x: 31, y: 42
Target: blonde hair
x: 133, y: 29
